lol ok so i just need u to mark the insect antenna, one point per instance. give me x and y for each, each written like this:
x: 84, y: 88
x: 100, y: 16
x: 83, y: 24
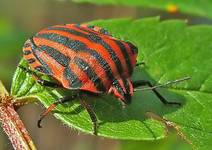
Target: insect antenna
x: 163, y: 85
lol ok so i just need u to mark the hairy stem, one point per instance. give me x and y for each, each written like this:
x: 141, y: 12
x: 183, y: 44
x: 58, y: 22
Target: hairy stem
x: 12, y: 124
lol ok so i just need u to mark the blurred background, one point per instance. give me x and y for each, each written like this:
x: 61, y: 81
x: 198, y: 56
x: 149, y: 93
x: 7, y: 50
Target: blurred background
x: 19, y: 19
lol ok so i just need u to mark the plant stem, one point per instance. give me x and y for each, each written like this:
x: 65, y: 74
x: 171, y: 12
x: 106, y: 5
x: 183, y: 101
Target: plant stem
x: 12, y: 124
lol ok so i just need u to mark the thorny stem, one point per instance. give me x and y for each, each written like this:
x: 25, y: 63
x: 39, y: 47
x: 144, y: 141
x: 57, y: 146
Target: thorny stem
x: 12, y: 124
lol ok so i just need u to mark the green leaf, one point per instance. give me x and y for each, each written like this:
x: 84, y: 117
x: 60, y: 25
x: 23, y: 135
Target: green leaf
x: 198, y: 7
x: 169, y: 143
x: 170, y: 50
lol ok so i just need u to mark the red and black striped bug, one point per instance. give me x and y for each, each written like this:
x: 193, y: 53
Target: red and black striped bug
x: 86, y: 59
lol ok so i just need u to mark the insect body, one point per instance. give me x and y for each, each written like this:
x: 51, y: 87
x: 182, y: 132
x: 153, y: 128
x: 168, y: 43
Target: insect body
x: 86, y: 59
x: 82, y: 58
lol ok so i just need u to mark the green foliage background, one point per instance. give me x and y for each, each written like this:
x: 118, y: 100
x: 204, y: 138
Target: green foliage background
x: 171, y: 49
x: 198, y: 7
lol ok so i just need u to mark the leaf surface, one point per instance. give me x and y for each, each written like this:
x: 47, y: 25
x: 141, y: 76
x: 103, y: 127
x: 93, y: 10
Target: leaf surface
x: 170, y: 50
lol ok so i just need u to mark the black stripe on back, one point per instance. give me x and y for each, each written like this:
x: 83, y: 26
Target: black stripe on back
x: 127, y: 96
x: 78, y: 46
x: 91, y: 27
x: 74, y: 81
x: 133, y: 48
x: 84, y: 66
x: 72, y: 78
x: 72, y: 44
x: 96, y: 39
x: 126, y: 56
x: 56, y: 55
x: 126, y: 85
x: 44, y: 68
x: 71, y: 31
x: 118, y: 87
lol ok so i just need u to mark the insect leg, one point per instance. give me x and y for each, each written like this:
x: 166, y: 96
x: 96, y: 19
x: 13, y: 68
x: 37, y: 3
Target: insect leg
x: 91, y: 114
x: 140, y: 64
x: 53, y: 105
x: 39, y: 80
x: 147, y: 83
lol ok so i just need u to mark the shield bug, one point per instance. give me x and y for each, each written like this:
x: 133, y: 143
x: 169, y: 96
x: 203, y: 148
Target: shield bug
x: 86, y: 59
